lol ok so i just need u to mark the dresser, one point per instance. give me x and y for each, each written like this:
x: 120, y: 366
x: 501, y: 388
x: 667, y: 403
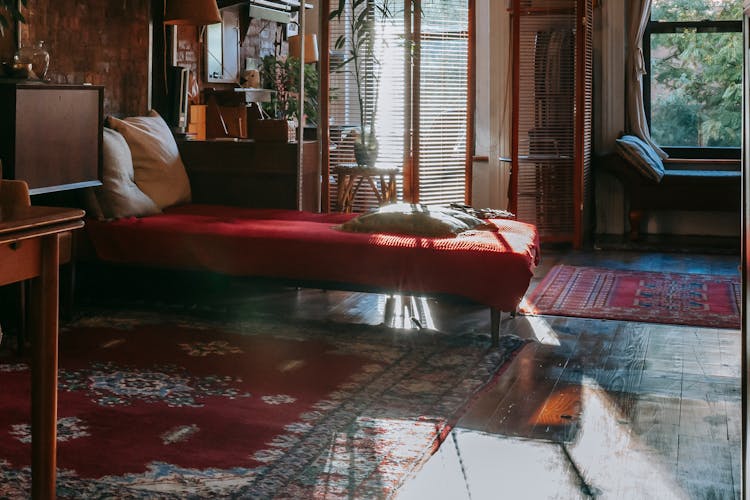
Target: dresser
x: 51, y: 135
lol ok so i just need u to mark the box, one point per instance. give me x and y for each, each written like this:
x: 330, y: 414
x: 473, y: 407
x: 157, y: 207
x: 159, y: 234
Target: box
x: 197, y: 124
x: 273, y: 130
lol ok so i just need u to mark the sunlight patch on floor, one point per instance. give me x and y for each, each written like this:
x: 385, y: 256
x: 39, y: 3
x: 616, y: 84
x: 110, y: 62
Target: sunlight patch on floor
x: 535, y: 328
x: 601, y: 456
x: 613, y: 458
x: 405, y: 311
x: 475, y: 465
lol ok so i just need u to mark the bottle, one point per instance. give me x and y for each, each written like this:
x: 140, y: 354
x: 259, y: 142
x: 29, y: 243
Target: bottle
x: 40, y: 60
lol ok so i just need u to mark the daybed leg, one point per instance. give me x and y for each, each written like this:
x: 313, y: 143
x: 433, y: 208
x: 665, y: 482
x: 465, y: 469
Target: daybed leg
x: 635, y: 217
x: 495, y: 326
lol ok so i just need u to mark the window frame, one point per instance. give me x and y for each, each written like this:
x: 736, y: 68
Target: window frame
x: 705, y: 26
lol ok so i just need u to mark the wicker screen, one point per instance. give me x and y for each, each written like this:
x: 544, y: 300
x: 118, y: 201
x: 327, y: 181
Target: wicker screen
x: 549, y: 147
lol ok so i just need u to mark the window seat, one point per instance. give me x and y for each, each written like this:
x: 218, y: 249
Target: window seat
x: 686, y: 185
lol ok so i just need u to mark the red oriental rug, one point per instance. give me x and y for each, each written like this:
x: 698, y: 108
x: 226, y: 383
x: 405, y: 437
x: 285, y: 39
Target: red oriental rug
x: 674, y: 298
x: 167, y: 408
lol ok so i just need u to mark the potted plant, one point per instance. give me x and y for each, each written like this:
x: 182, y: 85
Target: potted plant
x: 282, y: 76
x: 361, y: 61
x: 10, y: 12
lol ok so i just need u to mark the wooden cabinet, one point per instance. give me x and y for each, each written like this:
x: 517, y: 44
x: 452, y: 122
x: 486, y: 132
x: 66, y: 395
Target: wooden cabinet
x: 51, y: 135
x: 252, y: 174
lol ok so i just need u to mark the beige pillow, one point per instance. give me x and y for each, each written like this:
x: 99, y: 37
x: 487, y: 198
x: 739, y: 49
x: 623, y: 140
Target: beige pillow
x: 118, y: 196
x: 159, y: 171
x: 415, y: 220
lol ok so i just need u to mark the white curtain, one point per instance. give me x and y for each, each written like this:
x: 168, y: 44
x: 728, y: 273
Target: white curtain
x: 640, y: 11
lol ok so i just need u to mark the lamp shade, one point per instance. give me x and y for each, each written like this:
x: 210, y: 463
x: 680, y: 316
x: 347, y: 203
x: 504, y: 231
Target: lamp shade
x: 191, y: 12
x: 311, y: 47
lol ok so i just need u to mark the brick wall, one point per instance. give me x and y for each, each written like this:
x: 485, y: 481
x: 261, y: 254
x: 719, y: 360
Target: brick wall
x: 103, y: 42
x: 106, y: 42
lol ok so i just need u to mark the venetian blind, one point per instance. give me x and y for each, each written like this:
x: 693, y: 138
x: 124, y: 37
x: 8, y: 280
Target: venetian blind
x: 379, y: 97
x: 443, y: 57
x: 420, y: 126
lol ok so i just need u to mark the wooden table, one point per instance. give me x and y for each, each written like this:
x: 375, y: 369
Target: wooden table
x: 350, y: 177
x: 29, y: 249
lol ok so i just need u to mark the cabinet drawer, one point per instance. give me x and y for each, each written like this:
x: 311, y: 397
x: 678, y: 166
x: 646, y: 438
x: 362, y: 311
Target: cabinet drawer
x: 20, y: 260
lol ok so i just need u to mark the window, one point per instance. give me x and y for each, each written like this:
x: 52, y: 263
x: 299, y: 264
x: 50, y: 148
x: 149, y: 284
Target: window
x: 407, y: 85
x: 693, y: 85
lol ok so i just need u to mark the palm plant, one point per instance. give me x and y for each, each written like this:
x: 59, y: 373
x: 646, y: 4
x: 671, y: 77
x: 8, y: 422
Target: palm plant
x: 361, y: 61
x: 10, y: 12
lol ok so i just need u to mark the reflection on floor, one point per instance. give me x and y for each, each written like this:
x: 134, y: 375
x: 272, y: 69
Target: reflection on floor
x: 600, y: 408
x: 591, y: 408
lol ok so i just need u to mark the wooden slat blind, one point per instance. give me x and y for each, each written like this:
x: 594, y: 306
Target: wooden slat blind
x: 584, y: 122
x: 443, y: 88
x: 344, y: 108
x: 420, y: 125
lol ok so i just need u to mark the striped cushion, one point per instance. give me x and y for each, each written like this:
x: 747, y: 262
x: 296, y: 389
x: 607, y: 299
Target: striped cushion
x: 642, y: 156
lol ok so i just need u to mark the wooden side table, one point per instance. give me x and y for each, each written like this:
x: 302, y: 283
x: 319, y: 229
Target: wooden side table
x: 350, y: 177
x: 29, y: 249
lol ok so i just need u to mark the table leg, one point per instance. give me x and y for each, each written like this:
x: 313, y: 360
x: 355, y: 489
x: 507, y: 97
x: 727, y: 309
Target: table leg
x: 375, y: 189
x: 392, y: 195
x: 341, y: 192
x: 356, y: 182
x: 44, y: 302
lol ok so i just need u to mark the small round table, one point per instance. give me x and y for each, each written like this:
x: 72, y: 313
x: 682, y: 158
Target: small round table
x: 350, y: 177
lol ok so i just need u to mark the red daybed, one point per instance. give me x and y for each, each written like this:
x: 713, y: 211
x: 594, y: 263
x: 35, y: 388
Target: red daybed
x: 491, y: 268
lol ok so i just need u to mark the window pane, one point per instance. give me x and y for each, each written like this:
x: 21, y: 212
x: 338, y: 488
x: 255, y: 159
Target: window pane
x: 375, y: 99
x: 696, y: 89
x: 696, y: 10
x: 442, y: 107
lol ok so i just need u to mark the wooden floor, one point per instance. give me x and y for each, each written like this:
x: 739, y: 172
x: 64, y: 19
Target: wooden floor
x: 589, y: 409
x: 602, y: 409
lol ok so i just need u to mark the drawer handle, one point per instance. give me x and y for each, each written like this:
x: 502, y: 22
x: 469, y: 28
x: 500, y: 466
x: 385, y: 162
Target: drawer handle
x: 14, y: 245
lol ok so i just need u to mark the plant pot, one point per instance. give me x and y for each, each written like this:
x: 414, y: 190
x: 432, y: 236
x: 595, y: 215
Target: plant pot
x: 365, y: 154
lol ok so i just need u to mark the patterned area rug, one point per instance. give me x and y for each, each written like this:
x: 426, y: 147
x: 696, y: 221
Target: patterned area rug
x: 167, y: 408
x: 683, y: 299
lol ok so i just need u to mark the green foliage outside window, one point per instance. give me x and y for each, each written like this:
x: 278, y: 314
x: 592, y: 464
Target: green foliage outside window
x: 696, y: 77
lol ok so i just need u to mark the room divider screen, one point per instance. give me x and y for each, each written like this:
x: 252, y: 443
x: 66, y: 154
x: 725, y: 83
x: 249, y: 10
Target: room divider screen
x: 552, y: 108
x: 397, y: 73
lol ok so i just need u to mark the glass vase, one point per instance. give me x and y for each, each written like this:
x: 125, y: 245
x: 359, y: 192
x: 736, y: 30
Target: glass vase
x: 40, y: 60
x: 36, y: 55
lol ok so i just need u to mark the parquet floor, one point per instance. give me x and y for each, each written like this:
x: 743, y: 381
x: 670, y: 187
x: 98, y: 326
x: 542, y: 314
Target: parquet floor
x: 589, y: 409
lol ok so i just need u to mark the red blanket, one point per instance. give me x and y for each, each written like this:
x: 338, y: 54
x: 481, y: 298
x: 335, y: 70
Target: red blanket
x: 492, y: 268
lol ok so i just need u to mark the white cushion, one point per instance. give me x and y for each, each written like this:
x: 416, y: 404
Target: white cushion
x: 159, y: 170
x: 415, y: 220
x: 118, y: 196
